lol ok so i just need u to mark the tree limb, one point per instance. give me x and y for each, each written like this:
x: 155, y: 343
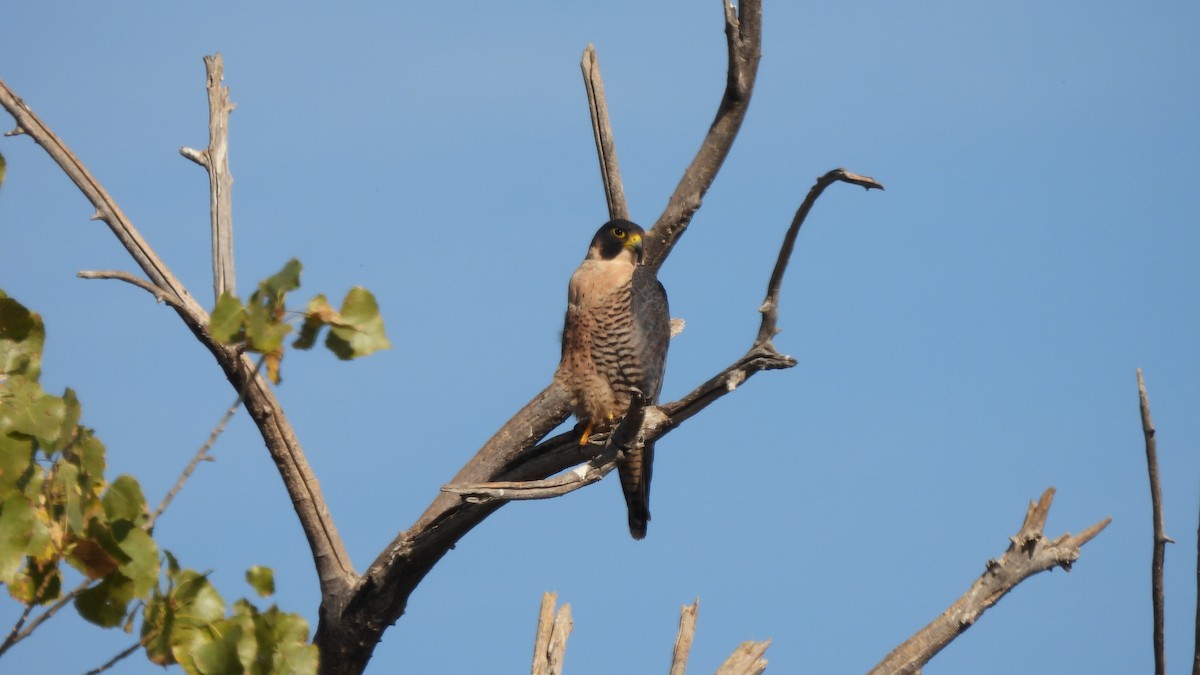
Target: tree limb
x: 329, y: 553
x: 1160, y: 537
x: 1029, y: 552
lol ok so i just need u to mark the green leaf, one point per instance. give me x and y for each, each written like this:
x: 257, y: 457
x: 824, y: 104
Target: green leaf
x: 67, y: 485
x: 91, y: 463
x: 282, y: 282
x: 363, y: 332
x: 262, y: 580
x: 197, y: 603
x: 158, y: 616
x: 3, y: 168
x: 318, y: 314
x: 142, y: 566
x: 22, y: 337
x: 106, y: 603
x: 39, y: 585
x: 123, y: 500
x: 16, y: 463
x: 26, y: 409
x: 17, y: 523
x: 219, y: 653
x: 227, y: 319
x: 264, y: 330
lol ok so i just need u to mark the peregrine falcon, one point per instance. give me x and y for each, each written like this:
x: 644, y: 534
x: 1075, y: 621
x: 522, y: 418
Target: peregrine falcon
x: 615, y: 340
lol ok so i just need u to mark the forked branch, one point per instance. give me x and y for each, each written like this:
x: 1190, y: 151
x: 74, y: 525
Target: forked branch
x: 1029, y: 552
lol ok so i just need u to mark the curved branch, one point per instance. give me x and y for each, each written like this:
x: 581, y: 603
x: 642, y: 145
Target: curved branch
x: 158, y: 293
x: 770, y: 305
x: 1029, y: 552
x: 743, y: 36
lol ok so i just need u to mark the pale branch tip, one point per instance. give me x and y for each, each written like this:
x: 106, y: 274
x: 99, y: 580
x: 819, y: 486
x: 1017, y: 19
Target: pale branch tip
x: 1029, y: 552
x: 198, y: 156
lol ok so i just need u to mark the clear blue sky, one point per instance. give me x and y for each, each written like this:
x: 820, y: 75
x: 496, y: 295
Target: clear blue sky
x: 965, y: 339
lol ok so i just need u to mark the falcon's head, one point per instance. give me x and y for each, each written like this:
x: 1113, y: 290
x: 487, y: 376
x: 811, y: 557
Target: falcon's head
x: 616, y: 237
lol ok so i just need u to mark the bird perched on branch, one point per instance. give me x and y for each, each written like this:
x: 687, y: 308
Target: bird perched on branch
x: 614, y: 341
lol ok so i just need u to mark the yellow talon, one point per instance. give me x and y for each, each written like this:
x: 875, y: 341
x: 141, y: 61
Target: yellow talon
x: 587, y: 431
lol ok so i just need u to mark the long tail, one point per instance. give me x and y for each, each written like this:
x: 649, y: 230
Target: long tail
x: 634, y: 472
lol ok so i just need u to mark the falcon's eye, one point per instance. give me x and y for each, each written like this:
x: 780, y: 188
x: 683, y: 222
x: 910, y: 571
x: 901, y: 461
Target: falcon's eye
x: 618, y: 232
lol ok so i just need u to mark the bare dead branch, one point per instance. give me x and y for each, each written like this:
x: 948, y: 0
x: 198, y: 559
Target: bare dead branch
x: 215, y: 160
x: 1029, y: 552
x: 1160, y: 537
x: 545, y: 626
x: 158, y: 293
x: 683, y: 641
x: 747, y: 659
x: 606, y: 150
x: 519, y: 490
x: 558, y: 639
x: 329, y: 553
x: 550, y: 645
x: 743, y: 37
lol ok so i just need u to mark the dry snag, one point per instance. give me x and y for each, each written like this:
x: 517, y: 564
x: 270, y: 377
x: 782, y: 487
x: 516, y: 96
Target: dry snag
x: 1029, y: 552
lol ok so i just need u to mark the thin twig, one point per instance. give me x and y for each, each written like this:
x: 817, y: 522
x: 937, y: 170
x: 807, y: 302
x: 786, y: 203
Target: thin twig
x: 606, y: 150
x: 683, y: 641
x: 116, y: 659
x: 14, y: 638
x: 1029, y: 552
x: 201, y: 454
x: 1160, y: 537
x: 158, y: 293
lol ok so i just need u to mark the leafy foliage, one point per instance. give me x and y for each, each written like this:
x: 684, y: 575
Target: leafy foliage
x: 57, y: 507
x: 261, y: 323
